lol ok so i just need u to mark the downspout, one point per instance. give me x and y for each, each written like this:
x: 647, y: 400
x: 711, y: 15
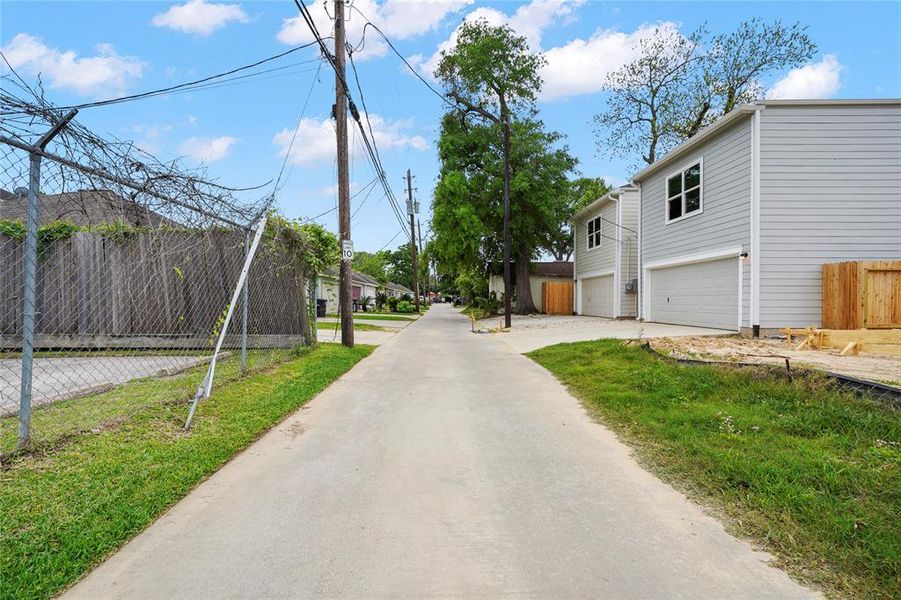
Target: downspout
x: 640, y: 290
x: 755, y: 222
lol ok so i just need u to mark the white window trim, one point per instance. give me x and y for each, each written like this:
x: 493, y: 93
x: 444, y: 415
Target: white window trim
x: 588, y: 235
x: 666, y: 220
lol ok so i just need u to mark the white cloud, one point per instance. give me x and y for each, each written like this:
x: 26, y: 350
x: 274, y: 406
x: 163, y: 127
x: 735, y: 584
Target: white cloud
x: 813, y: 81
x: 207, y: 149
x: 530, y: 21
x: 103, y: 74
x: 399, y: 19
x: 199, y: 17
x: 316, y: 139
x: 581, y: 66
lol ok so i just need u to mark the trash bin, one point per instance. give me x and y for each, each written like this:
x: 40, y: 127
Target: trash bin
x: 321, y: 304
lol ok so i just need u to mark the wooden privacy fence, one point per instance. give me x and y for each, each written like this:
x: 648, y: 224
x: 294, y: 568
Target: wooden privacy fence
x: 171, y: 287
x: 862, y: 295
x: 557, y: 297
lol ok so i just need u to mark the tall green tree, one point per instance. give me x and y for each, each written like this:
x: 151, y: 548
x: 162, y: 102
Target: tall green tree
x: 374, y: 264
x: 467, y: 219
x: 493, y: 76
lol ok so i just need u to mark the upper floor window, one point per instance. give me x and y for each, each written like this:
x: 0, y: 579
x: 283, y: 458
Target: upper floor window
x: 594, y: 233
x: 683, y: 193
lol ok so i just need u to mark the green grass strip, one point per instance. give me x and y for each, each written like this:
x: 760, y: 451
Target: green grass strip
x: 64, y: 511
x: 811, y: 473
x: 376, y: 317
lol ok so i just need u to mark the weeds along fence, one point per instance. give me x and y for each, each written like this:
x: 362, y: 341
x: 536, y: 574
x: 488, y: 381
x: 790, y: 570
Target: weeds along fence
x: 128, y: 285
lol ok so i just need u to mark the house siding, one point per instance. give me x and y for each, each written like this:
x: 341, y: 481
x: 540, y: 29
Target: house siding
x: 629, y: 254
x: 601, y: 258
x: 725, y: 220
x: 830, y: 190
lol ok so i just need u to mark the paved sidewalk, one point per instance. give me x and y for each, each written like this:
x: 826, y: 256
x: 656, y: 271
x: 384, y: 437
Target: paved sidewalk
x: 444, y: 465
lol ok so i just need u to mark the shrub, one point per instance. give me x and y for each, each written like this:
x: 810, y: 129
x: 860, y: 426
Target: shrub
x: 392, y: 303
x: 381, y: 298
x: 405, y: 306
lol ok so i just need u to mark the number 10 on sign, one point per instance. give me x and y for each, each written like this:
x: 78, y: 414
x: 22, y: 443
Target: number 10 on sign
x: 347, y: 249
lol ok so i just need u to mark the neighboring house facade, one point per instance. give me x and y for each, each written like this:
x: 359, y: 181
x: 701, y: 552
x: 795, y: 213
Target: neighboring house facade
x: 397, y: 291
x: 540, y: 273
x: 605, y: 253
x: 736, y: 223
x: 327, y: 288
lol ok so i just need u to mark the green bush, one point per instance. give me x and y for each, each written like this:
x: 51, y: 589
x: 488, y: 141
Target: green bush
x: 405, y: 306
x: 391, y: 301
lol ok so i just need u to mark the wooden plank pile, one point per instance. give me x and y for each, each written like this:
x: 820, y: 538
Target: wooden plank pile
x: 851, y: 341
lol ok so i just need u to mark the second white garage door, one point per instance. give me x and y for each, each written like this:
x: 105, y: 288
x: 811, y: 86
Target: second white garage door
x: 704, y: 294
x: 597, y: 296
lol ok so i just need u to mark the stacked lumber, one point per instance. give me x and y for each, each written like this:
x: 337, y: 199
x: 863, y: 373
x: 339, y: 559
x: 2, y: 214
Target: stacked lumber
x: 850, y: 341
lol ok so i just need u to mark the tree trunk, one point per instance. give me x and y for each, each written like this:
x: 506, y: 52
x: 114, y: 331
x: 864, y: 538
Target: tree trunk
x: 524, y: 304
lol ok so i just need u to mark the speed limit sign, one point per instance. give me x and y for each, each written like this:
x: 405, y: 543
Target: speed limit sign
x: 347, y: 250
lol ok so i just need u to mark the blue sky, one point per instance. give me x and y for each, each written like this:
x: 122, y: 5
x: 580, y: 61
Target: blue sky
x: 95, y: 50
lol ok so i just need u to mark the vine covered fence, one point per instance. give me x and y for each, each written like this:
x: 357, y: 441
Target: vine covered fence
x: 123, y: 278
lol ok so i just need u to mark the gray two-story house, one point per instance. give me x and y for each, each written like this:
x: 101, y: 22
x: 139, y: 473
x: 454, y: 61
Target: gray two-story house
x: 605, y: 236
x: 736, y: 223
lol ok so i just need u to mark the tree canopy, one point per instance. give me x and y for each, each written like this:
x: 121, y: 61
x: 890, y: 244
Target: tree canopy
x: 679, y: 84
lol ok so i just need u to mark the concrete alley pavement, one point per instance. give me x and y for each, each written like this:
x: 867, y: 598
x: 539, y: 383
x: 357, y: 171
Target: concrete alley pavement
x: 445, y: 465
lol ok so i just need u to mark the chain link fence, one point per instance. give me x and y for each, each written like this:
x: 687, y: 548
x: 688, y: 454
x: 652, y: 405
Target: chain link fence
x: 127, y: 283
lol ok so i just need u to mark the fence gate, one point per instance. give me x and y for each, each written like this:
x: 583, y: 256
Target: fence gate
x: 557, y: 297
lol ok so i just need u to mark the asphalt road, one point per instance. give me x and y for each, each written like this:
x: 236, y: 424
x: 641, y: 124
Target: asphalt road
x: 443, y: 466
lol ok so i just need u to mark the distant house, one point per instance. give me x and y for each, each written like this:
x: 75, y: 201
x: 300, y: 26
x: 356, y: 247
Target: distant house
x: 605, y: 242
x: 540, y: 273
x: 397, y: 290
x: 361, y: 286
x: 737, y: 222
x: 83, y: 208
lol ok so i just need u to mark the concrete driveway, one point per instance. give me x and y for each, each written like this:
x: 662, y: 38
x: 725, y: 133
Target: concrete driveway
x: 537, y: 331
x: 445, y: 465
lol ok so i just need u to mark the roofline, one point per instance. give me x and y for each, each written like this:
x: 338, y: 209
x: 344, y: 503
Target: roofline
x: 710, y: 130
x: 747, y: 109
x: 832, y: 102
x: 605, y: 198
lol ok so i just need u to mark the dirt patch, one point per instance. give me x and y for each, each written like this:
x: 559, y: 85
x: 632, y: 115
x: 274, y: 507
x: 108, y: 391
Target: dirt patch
x: 872, y: 367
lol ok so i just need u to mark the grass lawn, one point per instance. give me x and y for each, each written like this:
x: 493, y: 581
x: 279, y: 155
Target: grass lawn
x: 378, y: 317
x: 810, y: 473
x: 330, y: 325
x: 63, y: 511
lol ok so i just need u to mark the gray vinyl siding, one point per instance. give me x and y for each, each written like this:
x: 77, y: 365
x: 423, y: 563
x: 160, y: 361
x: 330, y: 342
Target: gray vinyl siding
x: 830, y: 190
x: 629, y: 254
x: 599, y: 258
x: 726, y: 218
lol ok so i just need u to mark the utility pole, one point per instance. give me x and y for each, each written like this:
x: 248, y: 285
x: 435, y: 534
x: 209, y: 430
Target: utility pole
x: 425, y: 289
x: 508, y: 288
x: 411, y: 211
x: 345, y: 291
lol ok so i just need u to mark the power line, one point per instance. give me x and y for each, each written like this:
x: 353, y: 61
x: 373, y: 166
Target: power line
x: 401, y: 56
x: 389, y: 241
x: 370, y: 146
x: 186, y: 84
x: 297, y: 127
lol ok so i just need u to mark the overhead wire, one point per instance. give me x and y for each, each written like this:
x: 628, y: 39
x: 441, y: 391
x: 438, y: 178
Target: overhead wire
x: 195, y: 82
x: 340, y: 77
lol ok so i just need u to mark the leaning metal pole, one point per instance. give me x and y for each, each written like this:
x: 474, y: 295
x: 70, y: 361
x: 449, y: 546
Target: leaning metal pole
x: 29, y: 301
x: 206, y: 385
x: 245, y: 308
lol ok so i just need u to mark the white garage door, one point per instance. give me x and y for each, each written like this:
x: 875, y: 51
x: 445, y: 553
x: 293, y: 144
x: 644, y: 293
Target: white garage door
x: 597, y: 296
x: 704, y: 294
